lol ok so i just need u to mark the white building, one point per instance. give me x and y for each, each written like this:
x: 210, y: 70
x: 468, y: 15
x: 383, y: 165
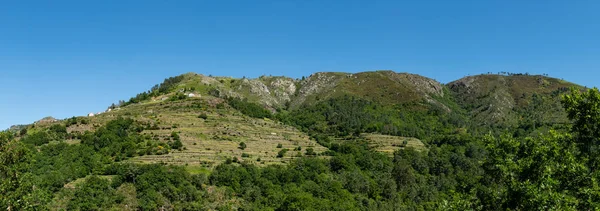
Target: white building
x: 90, y: 114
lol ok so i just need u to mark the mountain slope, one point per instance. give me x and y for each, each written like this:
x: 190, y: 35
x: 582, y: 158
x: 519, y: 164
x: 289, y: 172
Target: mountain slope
x: 386, y: 87
x: 510, y: 101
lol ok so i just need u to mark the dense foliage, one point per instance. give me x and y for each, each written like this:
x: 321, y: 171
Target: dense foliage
x: 33, y: 169
x: 248, y: 108
x: 350, y: 115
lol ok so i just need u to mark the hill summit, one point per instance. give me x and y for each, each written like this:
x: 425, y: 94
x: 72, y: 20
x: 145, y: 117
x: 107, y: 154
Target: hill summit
x: 491, y: 100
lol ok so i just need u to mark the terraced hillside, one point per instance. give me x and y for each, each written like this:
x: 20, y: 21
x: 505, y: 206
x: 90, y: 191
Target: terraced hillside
x: 211, y: 132
x: 390, y: 144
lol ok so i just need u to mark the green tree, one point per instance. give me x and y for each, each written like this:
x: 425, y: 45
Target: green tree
x: 242, y: 145
x: 17, y: 190
x: 94, y: 194
x: 583, y: 108
x: 175, y: 135
x: 310, y: 151
x: 177, y: 144
x: 203, y: 116
x: 535, y: 174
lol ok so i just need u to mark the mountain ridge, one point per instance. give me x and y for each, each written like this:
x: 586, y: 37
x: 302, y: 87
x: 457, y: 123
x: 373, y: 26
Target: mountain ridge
x: 502, y: 92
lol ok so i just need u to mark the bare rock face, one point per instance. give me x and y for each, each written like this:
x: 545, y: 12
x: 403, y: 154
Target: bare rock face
x: 283, y: 89
x: 272, y: 92
x: 419, y: 83
x: 258, y: 88
x: 47, y: 120
x: 423, y: 84
x: 316, y: 84
x: 464, y: 85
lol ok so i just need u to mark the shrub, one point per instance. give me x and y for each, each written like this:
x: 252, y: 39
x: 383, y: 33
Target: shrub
x: 404, y: 143
x: 281, y: 153
x: 177, y: 144
x: 203, y: 116
x: 175, y: 136
x: 310, y: 151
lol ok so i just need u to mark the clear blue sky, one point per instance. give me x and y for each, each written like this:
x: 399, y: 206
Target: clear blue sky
x: 68, y: 58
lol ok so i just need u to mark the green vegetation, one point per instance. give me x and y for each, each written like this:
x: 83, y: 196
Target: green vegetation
x: 352, y: 116
x: 310, y: 152
x: 378, y: 150
x: 282, y: 152
x: 248, y: 108
x: 49, y: 167
x: 168, y: 85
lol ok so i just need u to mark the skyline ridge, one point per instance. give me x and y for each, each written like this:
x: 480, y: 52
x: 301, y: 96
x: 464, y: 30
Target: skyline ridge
x: 107, y: 104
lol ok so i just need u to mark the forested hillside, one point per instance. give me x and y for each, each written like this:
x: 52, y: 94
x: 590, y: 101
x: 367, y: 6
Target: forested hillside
x: 332, y: 141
